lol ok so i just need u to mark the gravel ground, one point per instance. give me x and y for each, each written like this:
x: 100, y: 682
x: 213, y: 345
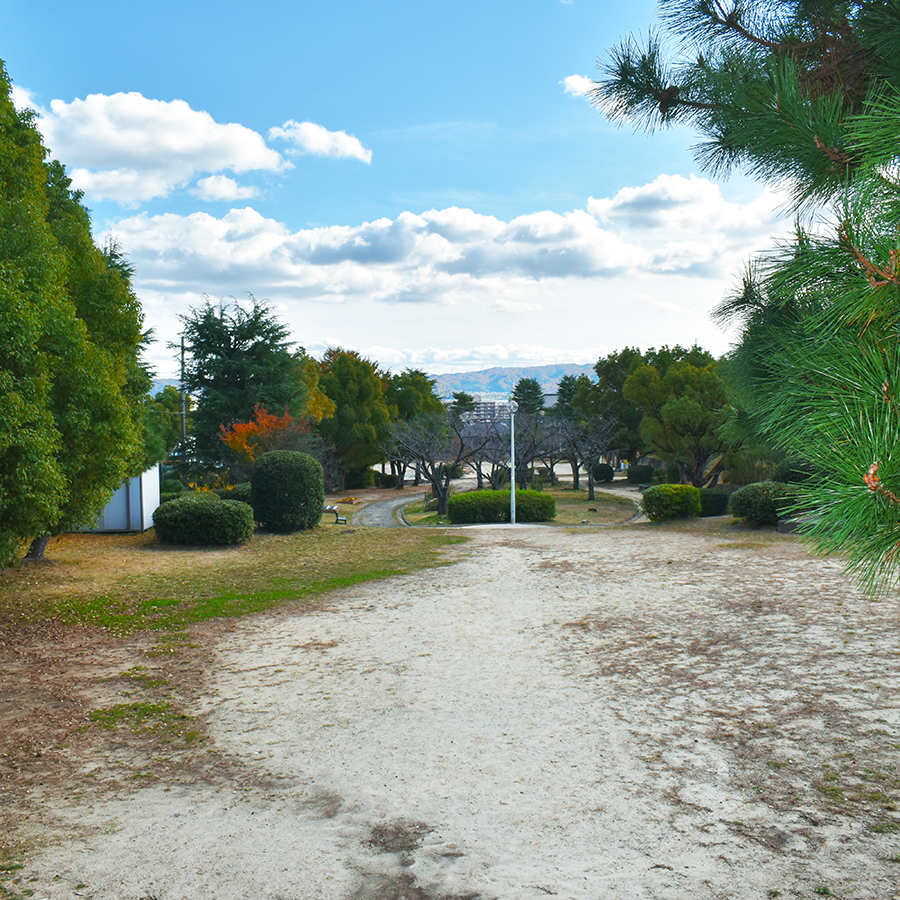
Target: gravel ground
x: 628, y: 713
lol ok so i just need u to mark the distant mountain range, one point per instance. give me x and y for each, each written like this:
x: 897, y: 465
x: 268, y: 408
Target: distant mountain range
x: 501, y: 380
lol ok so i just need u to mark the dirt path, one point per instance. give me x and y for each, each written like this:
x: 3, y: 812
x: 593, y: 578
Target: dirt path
x: 627, y: 713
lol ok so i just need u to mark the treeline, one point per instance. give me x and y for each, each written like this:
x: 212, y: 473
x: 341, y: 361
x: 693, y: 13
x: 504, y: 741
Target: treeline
x: 254, y: 391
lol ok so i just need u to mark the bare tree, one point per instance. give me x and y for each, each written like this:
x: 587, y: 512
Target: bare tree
x: 590, y: 439
x: 440, y: 442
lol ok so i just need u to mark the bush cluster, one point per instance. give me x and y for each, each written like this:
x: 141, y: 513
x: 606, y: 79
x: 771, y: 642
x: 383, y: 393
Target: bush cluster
x: 384, y: 479
x: 671, y: 501
x: 202, y: 518
x: 713, y: 502
x: 354, y: 479
x: 603, y: 472
x: 287, y: 490
x: 639, y: 474
x: 493, y: 506
x: 762, y: 503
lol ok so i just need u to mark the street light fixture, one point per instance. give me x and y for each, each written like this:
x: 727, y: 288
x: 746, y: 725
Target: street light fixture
x: 513, y: 408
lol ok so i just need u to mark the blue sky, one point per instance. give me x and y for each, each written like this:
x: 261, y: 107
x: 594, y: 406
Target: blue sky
x: 422, y: 182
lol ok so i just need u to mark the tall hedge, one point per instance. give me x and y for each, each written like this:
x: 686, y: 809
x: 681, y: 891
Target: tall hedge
x: 287, y: 490
x: 493, y: 506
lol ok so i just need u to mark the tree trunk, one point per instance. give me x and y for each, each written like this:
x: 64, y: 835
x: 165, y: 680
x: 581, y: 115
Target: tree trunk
x: 36, y: 550
x: 591, y: 483
x: 480, y: 476
x: 576, y: 474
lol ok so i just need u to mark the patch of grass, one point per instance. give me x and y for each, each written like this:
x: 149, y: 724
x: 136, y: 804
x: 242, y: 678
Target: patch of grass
x: 574, y: 508
x: 161, y: 720
x: 128, y: 583
x: 888, y: 826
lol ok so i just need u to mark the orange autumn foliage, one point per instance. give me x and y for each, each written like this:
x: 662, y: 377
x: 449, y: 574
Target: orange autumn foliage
x: 265, y: 431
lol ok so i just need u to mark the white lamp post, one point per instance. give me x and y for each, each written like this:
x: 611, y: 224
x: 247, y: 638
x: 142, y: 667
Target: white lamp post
x: 513, y: 407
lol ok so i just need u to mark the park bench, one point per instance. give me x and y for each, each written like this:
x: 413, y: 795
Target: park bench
x: 338, y: 518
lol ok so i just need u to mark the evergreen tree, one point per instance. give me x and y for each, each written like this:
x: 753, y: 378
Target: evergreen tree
x: 358, y: 429
x: 239, y: 358
x: 529, y: 394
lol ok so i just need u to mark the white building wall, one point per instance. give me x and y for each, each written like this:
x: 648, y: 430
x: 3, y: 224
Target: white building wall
x: 132, y: 506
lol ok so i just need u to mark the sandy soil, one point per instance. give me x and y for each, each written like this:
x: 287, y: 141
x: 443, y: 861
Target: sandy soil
x: 696, y: 712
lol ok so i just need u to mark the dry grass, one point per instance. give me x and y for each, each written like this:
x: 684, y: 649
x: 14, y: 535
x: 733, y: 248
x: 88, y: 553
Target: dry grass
x: 126, y: 583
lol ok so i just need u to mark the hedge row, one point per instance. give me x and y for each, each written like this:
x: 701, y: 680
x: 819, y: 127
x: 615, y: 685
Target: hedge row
x: 202, y: 518
x: 493, y: 506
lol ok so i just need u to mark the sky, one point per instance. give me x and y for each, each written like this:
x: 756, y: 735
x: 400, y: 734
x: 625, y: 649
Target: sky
x: 424, y: 183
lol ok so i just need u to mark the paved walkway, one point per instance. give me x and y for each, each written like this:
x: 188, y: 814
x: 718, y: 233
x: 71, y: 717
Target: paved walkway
x: 386, y: 513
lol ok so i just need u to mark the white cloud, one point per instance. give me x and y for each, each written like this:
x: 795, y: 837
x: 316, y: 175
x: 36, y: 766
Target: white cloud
x: 651, y: 260
x: 221, y: 187
x: 22, y: 98
x: 308, y: 137
x: 577, y: 85
x: 129, y: 148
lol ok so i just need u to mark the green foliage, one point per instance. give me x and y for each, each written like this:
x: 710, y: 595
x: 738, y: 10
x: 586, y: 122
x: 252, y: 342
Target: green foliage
x: 763, y: 503
x: 358, y: 428
x: 529, y: 394
x: 713, y: 502
x: 671, y: 501
x: 463, y: 402
x: 355, y: 479
x: 493, y: 506
x: 604, y: 472
x: 70, y: 378
x: 240, y: 493
x: 239, y: 358
x: 639, y: 474
x: 287, y: 491
x: 411, y: 393
x: 794, y: 471
x: 683, y: 413
x: 204, y: 519
x: 774, y: 88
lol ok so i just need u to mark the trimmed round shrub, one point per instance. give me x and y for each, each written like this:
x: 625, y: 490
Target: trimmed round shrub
x: 287, y: 491
x: 384, y: 479
x: 673, y: 473
x: 639, y: 474
x: 671, y: 501
x: 713, y: 502
x: 603, y: 472
x: 171, y: 486
x: 202, y: 518
x: 761, y: 503
x: 493, y: 506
